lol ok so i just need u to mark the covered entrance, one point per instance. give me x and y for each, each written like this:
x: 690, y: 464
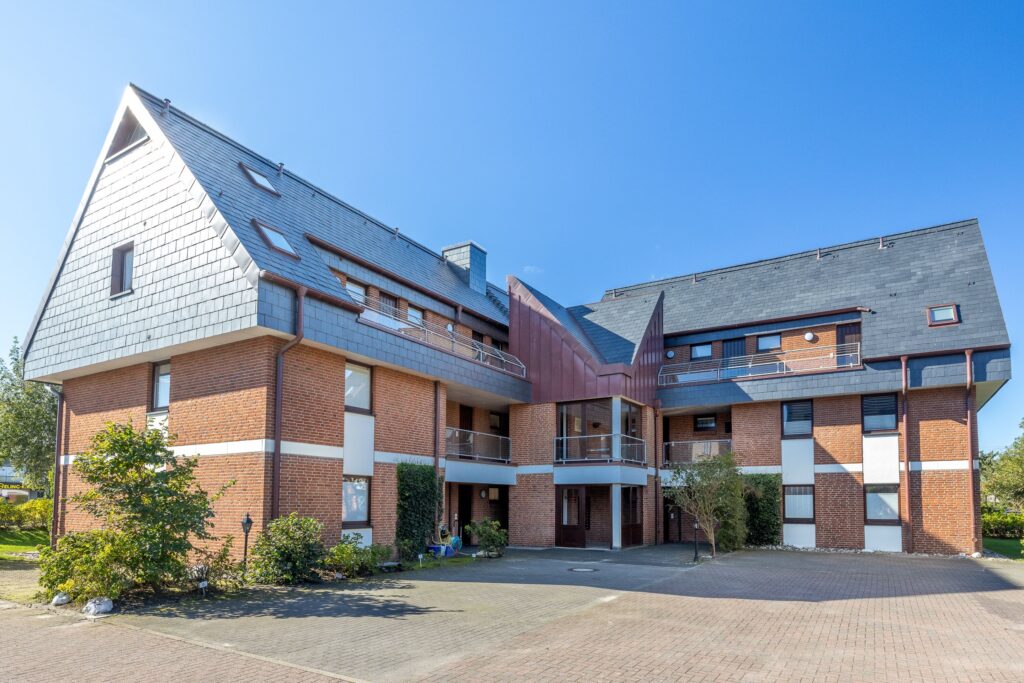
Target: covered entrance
x: 586, y: 516
x: 475, y: 503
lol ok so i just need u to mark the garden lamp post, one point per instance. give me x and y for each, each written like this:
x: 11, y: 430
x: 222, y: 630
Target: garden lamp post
x: 246, y: 528
x: 696, y: 528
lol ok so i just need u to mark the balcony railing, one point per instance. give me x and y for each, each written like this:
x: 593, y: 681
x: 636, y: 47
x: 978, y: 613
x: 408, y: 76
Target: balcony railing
x: 818, y: 358
x: 686, y: 452
x: 600, y: 448
x: 463, y: 443
x: 393, y: 319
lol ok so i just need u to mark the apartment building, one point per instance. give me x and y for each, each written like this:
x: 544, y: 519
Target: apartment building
x: 303, y: 349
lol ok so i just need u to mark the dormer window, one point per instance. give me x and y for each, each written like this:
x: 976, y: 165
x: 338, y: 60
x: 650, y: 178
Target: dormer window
x: 946, y: 314
x: 259, y: 180
x: 275, y: 239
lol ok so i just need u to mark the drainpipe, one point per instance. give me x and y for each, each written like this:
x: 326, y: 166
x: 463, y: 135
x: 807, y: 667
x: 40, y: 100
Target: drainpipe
x: 437, y: 436
x: 300, y: 332
x: 906, y: 457
x: 969, y: 409
x: 56, y: 467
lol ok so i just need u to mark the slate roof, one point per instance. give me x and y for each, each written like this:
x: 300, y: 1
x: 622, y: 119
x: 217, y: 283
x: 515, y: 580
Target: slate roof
x: 914, y: 270
x: 303, y: 207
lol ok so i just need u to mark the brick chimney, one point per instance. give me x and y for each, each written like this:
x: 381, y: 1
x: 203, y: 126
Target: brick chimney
x: 470, y: 259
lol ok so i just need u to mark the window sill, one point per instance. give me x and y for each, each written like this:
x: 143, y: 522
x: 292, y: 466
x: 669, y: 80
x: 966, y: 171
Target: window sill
x: 122, y: 294
x: 879, y: 432
x: 808, y: 435
x: 882, y: 522
x: 157, y: 411
x: 356, y: 525
x: 358, y: 411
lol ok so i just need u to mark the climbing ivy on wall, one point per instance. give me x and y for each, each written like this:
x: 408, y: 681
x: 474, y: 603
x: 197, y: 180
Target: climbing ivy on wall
x: 419, y: 503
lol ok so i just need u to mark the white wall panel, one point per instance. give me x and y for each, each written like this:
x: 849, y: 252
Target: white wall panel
x: 798, y: 461
x: 881, y: 459
x: 358, y: 444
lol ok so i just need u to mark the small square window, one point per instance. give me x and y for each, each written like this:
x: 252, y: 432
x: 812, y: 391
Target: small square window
x: 947, y: 314
x: 797, y: 418
x: 415, y: 316
x: 881, y: 503
x: 355, y: 494
x: 700, y: 352
x: 878, y: 413
x: 259, y: 180
x: 358, y: 385
x: 122, y: 269
x: 798, y: 504
x: 769, y: 342
x: 275, y: 239
x: 161, y: 386
x: 704, y: 423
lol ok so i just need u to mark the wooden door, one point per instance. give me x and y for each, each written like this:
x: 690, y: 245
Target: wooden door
x: 632, y: 515
x: 466, y: 417
x: 569, y: 529
x: 465, y: 511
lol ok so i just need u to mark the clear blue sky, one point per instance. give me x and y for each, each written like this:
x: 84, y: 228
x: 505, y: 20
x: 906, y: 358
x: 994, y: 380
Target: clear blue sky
x: 586, y: 145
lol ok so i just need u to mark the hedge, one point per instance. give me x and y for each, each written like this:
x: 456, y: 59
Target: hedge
x: 419, y: 503
x: 1000, y: 524
x: 763, y: 497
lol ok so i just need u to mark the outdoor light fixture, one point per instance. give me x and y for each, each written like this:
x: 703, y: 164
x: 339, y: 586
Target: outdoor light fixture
x: 246, y: 528
x: 696, y: 528
x: 483, y: 493
x: 809, y: 336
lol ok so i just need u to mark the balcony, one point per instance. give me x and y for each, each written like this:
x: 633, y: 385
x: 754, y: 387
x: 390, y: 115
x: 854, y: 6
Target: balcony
x: 462, y: 443
x: 394, y: 320
x: 815, y: 359
x: 686, y: 452
x: 600, y: 448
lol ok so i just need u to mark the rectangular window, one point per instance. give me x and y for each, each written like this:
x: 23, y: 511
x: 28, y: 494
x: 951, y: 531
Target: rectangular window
x: 415, y: 316
x: 769, y: 342
x: 947, y: 314
x: 161, y: 386
x: 632, y: 420
x: 356, y: 291
x: 358, y: 380
x: 798, y: 504
x: 881, y: 503
x: 122, y: 268
x: 878, y: 413
x: 700, y: 352
x: 704, y: 423
x: 355, y: 493
x: 797, y: 418
x: 274, y: 238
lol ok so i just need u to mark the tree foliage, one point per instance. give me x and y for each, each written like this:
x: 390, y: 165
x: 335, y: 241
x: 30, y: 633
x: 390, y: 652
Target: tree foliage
x: 28, y: 423
x: 711, y: 491
x: 1002, y: 474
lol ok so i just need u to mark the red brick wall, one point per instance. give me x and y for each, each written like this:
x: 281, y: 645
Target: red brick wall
x: 837, y: 430
x: 115, y: 396
x: 532, y: 510
x: 756, y: 434
x: 839, y: 510
x: 314, y: 397
x: 312, y: 487
x: 383, y: 503
x: 533, y: 429
x: 403, y: 408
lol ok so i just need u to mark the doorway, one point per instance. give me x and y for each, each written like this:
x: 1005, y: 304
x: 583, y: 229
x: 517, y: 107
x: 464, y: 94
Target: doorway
x: 632, y: 516
x: 465, y: 512
x: 569, y: 530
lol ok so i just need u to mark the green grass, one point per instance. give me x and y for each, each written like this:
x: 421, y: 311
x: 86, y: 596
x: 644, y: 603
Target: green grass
x: 22, y: 541
x: 1004, y: 546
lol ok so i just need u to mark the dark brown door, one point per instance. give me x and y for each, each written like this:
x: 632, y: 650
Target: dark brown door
x: 466, y: 417
x: 499, y: 505
x: 465, y: 511
x: 848, y: 334
x: 569, y: 530
x: 632, y: 515
x: 732, y: 348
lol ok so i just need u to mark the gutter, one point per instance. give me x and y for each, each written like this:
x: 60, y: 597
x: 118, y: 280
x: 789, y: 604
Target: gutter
x: 969, y: 411
x: 56, y: 467
x: 300, y: 333
x: 906, y: 456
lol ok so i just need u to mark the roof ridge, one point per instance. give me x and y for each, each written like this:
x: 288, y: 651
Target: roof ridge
x: 394, y: 231
x: 615, y: 292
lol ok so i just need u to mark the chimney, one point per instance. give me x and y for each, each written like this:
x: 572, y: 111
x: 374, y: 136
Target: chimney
x: 471, y: 261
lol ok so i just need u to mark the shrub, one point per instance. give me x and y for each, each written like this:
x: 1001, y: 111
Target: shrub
x: 419, y: 504
x: 1000, y: 524
x: 11, y: 516
x: 89, y: 564
x: 36, y: 513
x: 491, y: 537
x: 289, y: 551
x: 352, y: 559
x: 763, y: 497
x: 218, y: 568
x: 711, y: 491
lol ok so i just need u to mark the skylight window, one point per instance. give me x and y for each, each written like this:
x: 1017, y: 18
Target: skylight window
x: 259, y: 180
x: 946, y: 314
x: 275, y: 239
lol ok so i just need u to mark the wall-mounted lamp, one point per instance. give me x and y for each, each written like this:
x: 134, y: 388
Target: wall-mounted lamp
x: 809, y: 336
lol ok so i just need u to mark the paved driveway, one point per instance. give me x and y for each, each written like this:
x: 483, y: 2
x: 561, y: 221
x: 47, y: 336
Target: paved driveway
x: 640, y: 615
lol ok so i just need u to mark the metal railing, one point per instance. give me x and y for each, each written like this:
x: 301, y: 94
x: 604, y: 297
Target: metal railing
x: 394, y: 319
x: 463, y: 443
x: 816, y: 358
x: 686, y: 452
x: 600, y: 448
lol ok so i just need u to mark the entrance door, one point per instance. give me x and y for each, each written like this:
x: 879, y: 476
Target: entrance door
x: 848, y: 334
x: 632, y: 516
x: 569, y: 530
x: 499, y: 505
x: 465, y: 511
x: 466, y: 418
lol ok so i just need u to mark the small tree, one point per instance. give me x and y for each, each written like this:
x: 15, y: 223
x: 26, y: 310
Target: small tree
x: 1002, y: 474
x: 711, y: 491
x: 28, y: 423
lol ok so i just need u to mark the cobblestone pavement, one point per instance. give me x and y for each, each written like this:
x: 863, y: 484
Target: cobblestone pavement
x: 641, y: 615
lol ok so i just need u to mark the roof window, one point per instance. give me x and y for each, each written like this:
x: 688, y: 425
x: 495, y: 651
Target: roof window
x: 945, y: 314
x: 259, y: 180
x: 275, y: 239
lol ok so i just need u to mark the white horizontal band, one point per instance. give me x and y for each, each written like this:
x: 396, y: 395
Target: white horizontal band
x: 535, y: 469
x: 839, y: 468
x: 933, y: 465
x: 395, y: 458
x: 761, y: 469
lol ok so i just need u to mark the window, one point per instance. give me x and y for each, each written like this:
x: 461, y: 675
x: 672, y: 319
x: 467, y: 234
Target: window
x: 358, y: 380
x: 388, y: 304
x: 355, y: 494
x: 415, y: 316
x: 700, y: 352
x: 769, y: 342
x: 797, y: 418
x: 259, y: 180
x: 161, y: 386
x: 122, y: 268
x: 500, y: 345
x: 946, y: 314
x: 704, y: 423
x: 631, y: 420
x: 275, y: 239
x: 356, y: 291
x: 798, y: 504
x: 878, y: 413
x: 881, y: 503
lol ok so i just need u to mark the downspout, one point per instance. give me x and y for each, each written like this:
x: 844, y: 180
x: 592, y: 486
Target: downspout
x: 906, y: 457
x: 437, y: 452
x: 300, y: 332
x: 56, y: 467
x: 969, y: 409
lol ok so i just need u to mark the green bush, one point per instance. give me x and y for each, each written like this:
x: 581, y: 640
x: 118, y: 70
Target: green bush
x: 290, y: 551
x: 419, y: 504
x: 11, y: 516
x: 762, y: 495
x: 89, y: 564
x: 36, y: 513
x: 352, y: 559
x: 489, y: 534
x: 999, y: 524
